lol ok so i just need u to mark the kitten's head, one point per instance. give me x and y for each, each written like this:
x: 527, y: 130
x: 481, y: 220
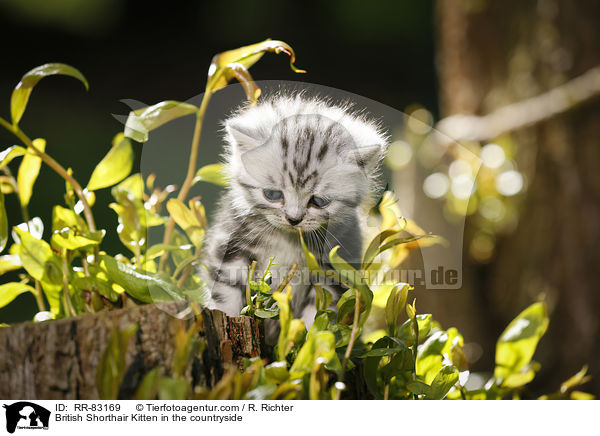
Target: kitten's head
x: 301, y: 163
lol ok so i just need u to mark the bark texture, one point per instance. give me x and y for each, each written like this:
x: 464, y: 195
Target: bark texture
x: 496, y: 53
x: 58, y: 360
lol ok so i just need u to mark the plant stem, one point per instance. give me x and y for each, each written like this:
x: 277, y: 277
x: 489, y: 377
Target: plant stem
x: 189, y: 178
x: 184, y: 276
x: 39, y: 298
x: 58, y: 168
x: 251, y: 269
x: 351, y: 341
x: 415, y: 324
x: 67, y: 295
x: 287, y: 280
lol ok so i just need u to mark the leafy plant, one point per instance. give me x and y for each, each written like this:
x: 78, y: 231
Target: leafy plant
x: 345, y: 350
x: 68, y: 271
x: 413, y: 357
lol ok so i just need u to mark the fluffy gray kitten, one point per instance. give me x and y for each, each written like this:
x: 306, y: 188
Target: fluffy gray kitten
x: 293, y: 163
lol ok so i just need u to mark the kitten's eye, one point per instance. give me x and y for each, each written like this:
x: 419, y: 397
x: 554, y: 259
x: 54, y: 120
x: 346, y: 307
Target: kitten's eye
x: 319, y: 202
x: 272, y: 195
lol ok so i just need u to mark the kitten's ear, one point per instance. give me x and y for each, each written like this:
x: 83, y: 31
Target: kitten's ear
x: 366, y: 155
x: 242, y: 137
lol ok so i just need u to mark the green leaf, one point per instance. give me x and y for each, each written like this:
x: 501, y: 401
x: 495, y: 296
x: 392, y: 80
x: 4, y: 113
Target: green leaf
x: 187, y: 220
x: 374, y: 245
x: 353, y: 279
x: 395, y: 305
x: 34, y: 253
x: 10, y: 291
x: 63, y: 217
x: 115, y: 166
x: 111, y: 367
x: 173, y: 388
x: 442, y: 383
x: 277, y: 372
x: 10, y: 153
x: 212, y: 173
x: 323, y: 297
x: 94, y: 283
x: 67, y: 238
x: 371, y: 372
x: 3, y: 223
x: 405, y: 332
x: 28, y: 171
x: 517, y: 344
x: 10, y: 262
x: 434, y: 350
x: 417, y: 387
x: 321, y: 345
x: 221, y: 70
x: 526, y: 375
x: 311, y: 260
x: 142, y: 285
x: 148, y: 388
x: 21, y: 93
x: 141, y: 121
x: 159, y: 249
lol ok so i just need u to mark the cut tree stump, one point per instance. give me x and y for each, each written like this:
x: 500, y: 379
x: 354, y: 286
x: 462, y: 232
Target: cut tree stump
x: 57, y: 360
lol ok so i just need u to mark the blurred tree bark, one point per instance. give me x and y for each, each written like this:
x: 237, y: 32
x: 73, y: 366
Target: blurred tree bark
x: 491, y: 54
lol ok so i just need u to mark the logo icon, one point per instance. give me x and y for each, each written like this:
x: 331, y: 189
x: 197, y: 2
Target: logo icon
x: 26, y: 415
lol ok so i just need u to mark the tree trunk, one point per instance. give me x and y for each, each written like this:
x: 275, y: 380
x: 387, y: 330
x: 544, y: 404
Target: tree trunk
x: 496, y: 53
x: 57, y: 360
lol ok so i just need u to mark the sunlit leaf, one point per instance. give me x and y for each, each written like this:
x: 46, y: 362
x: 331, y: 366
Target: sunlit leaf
x: 10, y: 262
x: 67, y: 238
x: 517, y: 344
x: 10, y: 291
x: 434, y: 350
x: 115, y: 166
x: 21, y: 93
x: 187, y: 220
x: 212, y: 173
x: 63, y: 217
x: 405, y: 333
x: 220, y: 73
x: 395, y: 305
x: 311, y: 260
x: 277, y: 372
x: 94, y: 283
x: 141, y: 121
x: 34, y: 253
x: 6, y: 185
x: 442, y: 383
x: 375, y: 243
x: 141, y: 285
x: 29, y: 170
x: 159, y: 249
x: 10, y: 153
x: 321, y: 345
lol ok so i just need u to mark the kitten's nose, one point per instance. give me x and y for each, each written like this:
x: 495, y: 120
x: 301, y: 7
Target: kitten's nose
x: 294, y: 220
